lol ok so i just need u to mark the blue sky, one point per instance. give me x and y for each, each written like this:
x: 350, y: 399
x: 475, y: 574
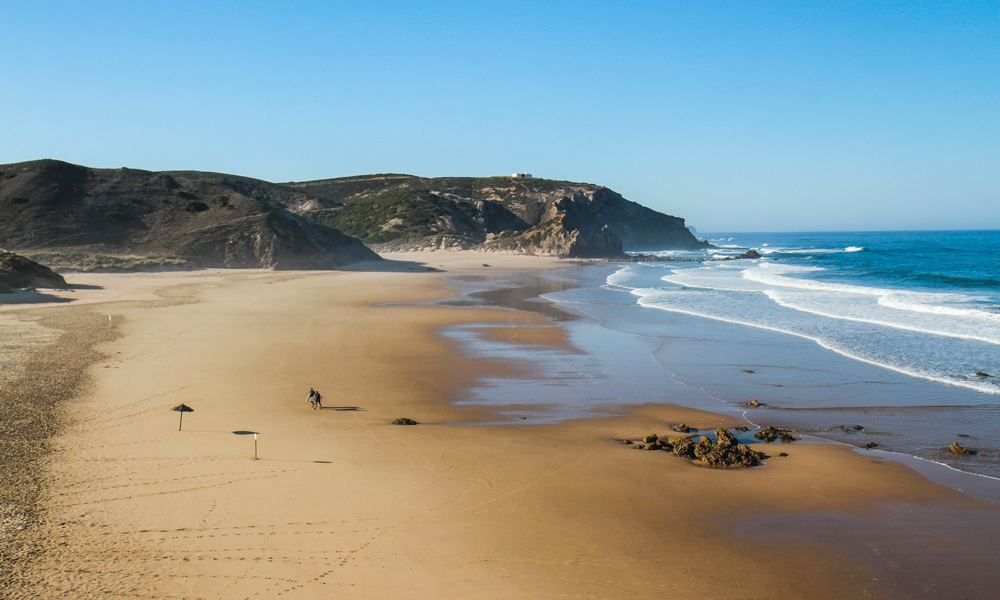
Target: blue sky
x: 738, y: 116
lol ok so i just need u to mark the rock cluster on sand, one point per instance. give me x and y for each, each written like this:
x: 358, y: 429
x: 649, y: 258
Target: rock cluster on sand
x: 725, y: 452
x: 769, y: 434
x: 403, y: 421
x: 17, y: 271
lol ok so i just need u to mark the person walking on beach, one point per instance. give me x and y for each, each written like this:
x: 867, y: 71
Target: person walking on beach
x: 313, y: 398
x: 319, y: 400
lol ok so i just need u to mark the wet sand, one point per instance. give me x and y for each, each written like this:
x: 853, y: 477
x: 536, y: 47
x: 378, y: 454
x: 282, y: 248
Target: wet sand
x: 343, y: 504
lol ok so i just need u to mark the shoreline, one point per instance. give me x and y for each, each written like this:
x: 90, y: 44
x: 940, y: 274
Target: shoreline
x: 341, y: 500
x: 727, y: 377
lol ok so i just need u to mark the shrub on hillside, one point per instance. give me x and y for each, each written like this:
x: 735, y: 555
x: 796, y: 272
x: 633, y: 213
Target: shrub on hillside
x: 195, y: 206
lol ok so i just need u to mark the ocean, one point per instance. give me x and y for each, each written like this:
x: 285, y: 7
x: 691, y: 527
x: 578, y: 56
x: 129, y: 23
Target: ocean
x: 890, y: 338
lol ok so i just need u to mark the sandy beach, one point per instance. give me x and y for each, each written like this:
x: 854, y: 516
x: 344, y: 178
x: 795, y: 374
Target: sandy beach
x: 341, y: 503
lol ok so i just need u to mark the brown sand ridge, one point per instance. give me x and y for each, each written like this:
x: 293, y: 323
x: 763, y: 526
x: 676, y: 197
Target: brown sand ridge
x: 342, y: 504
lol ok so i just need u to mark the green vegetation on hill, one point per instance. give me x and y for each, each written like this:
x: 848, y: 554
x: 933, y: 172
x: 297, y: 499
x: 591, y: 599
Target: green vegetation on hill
x: 50, y: 204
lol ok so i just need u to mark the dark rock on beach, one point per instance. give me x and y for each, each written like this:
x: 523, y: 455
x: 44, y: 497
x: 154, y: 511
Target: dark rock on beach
x: 403, y: 421
x: 725, y: 452
x: 683, y: 428
x: 17, y: 271
x: 682, y: 446
x: 770, y: 434
x: 751, y: 253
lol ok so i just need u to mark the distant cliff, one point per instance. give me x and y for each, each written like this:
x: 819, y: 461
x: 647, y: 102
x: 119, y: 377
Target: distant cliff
x: 536, y: 216
x: 77, y: 217
x: 63, y: 211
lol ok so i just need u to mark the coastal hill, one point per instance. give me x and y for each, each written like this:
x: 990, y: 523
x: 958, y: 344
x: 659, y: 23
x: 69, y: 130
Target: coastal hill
x: 519, y: 214
x: 71, y: 216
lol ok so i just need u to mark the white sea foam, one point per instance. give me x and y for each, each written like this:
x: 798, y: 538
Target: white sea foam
x: 899, y: 330
x: 621, y: 277
x: 930, y: 313
x: 854, y: 249
x: 653, y: 298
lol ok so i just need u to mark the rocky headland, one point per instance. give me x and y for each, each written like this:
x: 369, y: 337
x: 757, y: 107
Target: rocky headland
x: 74, y: 217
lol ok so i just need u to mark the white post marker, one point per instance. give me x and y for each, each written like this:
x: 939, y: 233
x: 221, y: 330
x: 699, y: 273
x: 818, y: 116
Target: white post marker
x: 255, y: 445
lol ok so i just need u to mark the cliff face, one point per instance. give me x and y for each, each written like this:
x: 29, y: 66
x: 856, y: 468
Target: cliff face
x: 216, y: 220
x: 49, y: 206
x: 535, y: 216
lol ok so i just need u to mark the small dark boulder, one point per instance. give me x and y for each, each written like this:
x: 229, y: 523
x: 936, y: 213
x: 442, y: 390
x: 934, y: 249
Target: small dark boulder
x: 982, y: 374
x: 403, y: 421
x: 649, y: 439
x: 753, y: 403
x: 786, y: 438
x: 17, y: 271
x: 742, y: 428
x: 751, y: 253
x: 871, y: 445
x: 682, y: 428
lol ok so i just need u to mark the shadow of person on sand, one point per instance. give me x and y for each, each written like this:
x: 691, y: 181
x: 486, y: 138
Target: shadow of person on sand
x: 343, y: 408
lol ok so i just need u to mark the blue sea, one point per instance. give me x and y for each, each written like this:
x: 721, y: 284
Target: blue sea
x: 925, y: 304
x: 850, y: 337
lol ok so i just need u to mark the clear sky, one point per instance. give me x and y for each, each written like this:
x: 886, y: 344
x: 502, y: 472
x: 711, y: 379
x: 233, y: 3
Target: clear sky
x: 738, y: 116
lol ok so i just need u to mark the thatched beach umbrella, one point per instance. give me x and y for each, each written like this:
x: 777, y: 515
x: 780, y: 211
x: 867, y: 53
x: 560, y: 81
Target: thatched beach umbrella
x: 182, y: 408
